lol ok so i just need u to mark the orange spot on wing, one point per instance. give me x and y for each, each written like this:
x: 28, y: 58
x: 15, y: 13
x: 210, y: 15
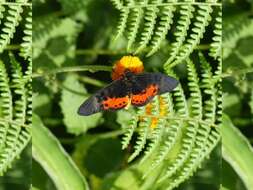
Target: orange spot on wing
x: 115, y: 103
x: 139, y: 99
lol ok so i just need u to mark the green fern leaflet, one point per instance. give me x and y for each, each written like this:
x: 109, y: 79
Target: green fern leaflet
x: 150, y: 25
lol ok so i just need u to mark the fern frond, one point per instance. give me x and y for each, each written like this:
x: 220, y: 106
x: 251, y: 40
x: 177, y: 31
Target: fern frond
x: 26, y: 50
x: 186, y: 14
x: 162, y: 29
x: 202, y: 134
x: 192, y: 127
x: 157, y: 134
x: 208, y: 83
x: 191, y: 166
x: 129, y: 131
x: 202, y: 20
x: 180, y: 102
x: 156, y: 138
x: 124, y: 13
x: 135, y: 18
x: 152, y: 21
x: 13, y: 19
x: 19, y: 88
x: 142, y: 138
x: 14, y: 121
x: 117, y: 3
x: 6, y: 103
x: 174, y: 133
x: 184, y: 132
x: 2, y: 9
x: 71, y: 7
x: 234, y: 28
x: 29, y: 103
x: 44, y: 27
x: 196, y: 105
x: 168, y: 142
x: 219, y: 103
x: 149, y: 25
x: 215, y: 50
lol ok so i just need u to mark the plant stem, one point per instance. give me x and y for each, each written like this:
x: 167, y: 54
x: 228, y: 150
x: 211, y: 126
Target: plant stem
x: 180, y: 118
x: 92, y: 81
x: 169, y: 4
x: 98, y: 52
x: 96, y: 136
x: 109, y: 134
x: 2, y: 120
x: 16, y: 4
x: 121, y: 52
x: 239, y: 72
x: 90, y: 68
x: 13, y: 47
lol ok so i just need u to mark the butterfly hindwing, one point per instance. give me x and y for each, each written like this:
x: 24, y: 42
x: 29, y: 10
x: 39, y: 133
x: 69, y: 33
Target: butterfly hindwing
x: 113, y: 97
x: 147, y: 85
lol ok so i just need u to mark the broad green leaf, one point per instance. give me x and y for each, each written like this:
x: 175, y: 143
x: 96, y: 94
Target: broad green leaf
x: 237, y: 151
x: 251, y: 102
x: 53, y: 158
x: 223, y: 188
x: 230, y: 178
x: 34, y: 188
x: 51, y: 27
x: 40, y: 178
x: 42, y: 104
x: 126, y: 179
x: 73, y: 95
x: 99, y: 162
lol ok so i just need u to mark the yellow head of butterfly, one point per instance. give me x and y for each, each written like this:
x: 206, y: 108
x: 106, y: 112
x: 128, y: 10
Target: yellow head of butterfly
x: 130, y: 63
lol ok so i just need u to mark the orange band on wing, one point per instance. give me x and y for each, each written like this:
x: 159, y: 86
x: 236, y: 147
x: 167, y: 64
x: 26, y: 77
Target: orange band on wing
x: 115, y: 103
x: 145, y: 95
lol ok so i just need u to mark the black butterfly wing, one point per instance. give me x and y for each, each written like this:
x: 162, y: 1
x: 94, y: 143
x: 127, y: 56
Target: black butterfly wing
x: 146, y: 86
x: 113, y: 97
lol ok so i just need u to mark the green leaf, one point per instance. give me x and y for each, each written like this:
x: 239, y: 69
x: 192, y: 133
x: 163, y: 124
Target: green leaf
x: 53, y: 158
x: 237, y: 151
x: 126, y: 179
x: 73, y: 95
x: 54, y: 37
x: 99, y: 162
x: 251, y: 102
x: 40, y: 179
x: 34, y: 188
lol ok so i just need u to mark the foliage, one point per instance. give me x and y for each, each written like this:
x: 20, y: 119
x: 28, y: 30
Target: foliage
x: 230, y: 153
x: 43, y: 139
x: 15, y: 112
x: 166, y: 141
x: 11, y: 15
x: 15, y: 92
x: 173, y: 142
x: 237, y: 88
x: 146, y: 25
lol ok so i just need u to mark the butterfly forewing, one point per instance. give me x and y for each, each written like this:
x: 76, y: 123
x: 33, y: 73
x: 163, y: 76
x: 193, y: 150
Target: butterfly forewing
x: 113, y: 97
x: 146, y: 86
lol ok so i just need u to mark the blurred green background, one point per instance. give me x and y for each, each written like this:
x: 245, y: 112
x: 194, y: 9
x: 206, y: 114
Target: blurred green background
x: 65, y: 36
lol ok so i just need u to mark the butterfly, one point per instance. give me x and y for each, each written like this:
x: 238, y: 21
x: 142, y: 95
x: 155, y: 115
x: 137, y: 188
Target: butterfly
x: 135, y: 89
